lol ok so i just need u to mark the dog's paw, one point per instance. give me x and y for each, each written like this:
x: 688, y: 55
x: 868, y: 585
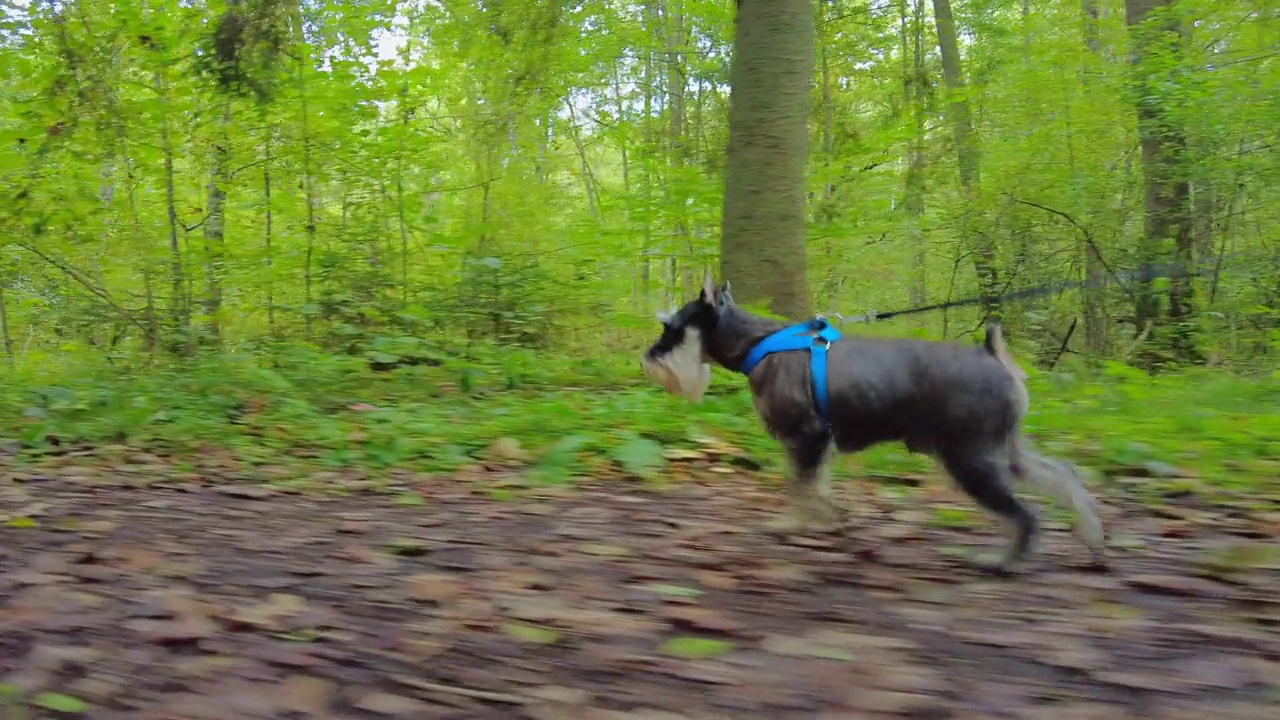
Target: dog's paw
x: 1099, y: 561
x: 999, y: 564
x: 822, y: 514
x: 786, y: 524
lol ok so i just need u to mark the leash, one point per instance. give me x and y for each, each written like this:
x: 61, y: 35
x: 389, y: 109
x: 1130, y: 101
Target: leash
x: 1146, y: 272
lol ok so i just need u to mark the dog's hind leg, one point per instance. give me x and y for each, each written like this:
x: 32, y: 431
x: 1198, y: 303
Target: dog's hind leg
x: 1061, y: 481
x: 808, y: 490
x: 985, y: 476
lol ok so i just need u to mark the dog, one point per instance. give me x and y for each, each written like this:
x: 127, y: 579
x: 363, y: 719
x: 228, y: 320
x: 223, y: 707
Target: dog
x: 960, y: 404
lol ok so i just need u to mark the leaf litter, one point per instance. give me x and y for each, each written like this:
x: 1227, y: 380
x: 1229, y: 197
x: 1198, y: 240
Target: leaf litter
x: 131, y: 596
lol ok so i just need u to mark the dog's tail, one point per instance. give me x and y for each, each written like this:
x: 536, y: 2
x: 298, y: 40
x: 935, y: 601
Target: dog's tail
x: 994, y: 343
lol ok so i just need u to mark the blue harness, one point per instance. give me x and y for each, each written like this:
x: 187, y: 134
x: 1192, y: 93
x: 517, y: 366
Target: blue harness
x: 800, y: 337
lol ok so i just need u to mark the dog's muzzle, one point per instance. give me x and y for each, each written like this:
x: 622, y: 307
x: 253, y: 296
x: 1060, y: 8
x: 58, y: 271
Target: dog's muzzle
x: 690, y: 384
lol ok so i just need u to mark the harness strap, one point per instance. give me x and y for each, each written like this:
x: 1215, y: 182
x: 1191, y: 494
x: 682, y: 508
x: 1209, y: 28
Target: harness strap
x: 801, y: 337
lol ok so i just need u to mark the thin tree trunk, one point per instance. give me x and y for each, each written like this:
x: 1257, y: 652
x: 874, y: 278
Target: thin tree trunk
x: 646, y: 237
x: 178, y: 302
x: 308, y: 184
x: 588, y: 180
x: 5, y: 337
x: 914, y: 91
x: 270, y: 261
x: 967, y: 158
x: 763, y: 248
x: 1093, y: 297
x: 826, y: 207
x: 677, y: 194
x: 400, y: 215
x: 215, y: 226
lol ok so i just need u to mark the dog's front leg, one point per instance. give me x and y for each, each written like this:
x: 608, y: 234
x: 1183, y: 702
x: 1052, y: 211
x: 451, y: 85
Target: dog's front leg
x: 810, y: 507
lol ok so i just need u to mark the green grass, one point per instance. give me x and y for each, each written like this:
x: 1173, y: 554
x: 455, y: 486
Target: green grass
x: 572, y: 416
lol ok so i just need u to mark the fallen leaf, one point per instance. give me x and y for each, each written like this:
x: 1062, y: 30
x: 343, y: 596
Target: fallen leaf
x: 695, y: 648
x: 60, y: 703
x: 531, y: 633
x: 388, y: 705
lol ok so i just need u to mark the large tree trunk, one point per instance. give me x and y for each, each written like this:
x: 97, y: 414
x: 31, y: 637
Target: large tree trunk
x: 1166, y: 182
x: 967, y: 158
x: 762, y: 246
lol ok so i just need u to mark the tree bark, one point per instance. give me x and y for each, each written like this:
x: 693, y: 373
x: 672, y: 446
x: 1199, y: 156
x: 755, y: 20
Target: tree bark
x: 826, y: 205
x: 678, y: 151
x: 215, y: 225
x: 5, y: 337
x: 914, y: 89
x: 180, y: 300
x: 967, y: 157
x: 646, y: 144
x: 1094, y: 296
x: 762, y: 245
x: 1166, y: 182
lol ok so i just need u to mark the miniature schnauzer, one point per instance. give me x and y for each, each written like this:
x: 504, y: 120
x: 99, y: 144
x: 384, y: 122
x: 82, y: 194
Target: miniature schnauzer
x: 959, y: 404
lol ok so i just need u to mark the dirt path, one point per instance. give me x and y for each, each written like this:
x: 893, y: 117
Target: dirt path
x: 203, y: 602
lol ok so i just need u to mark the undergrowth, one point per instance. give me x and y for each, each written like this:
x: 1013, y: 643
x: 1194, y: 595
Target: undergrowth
x: 572, y: 415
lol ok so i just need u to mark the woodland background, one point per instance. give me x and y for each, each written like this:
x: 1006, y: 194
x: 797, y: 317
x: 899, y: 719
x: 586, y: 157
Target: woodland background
x: 253, y: 198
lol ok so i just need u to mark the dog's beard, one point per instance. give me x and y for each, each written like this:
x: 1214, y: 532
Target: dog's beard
x: 682, y: 372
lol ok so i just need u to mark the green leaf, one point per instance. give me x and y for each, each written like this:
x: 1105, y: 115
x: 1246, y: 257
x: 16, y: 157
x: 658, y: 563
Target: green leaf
x: 58, y: 702
x: 639, y: 456
x: 695, y: 648
x: 531, y: 633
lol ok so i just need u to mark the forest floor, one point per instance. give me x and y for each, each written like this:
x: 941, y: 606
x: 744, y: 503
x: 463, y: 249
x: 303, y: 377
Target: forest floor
x: 126, y: 593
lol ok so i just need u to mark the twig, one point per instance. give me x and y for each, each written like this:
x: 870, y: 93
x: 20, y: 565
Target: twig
x: 1088, y: 237
x: 474, y: 694
x: 1063, y: 347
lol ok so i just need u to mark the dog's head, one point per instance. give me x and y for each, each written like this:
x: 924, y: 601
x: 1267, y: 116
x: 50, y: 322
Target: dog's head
x: 678, y: 360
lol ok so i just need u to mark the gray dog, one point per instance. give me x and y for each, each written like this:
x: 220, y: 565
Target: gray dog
x: 960, y: 404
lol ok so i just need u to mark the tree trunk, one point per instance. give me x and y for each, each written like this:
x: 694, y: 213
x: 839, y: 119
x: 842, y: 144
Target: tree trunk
x: 677, y: 152
x: 762, y: 246
x: 915, y: 87
x: 1093, y: 298
x: 967, y: 158
x: 1166, y: 183
x: 179, y: 302
x: 266, y: 201
x: 215, y: 226
x: 5, y: 337
x: 646, y: 143
x: 826, y: 205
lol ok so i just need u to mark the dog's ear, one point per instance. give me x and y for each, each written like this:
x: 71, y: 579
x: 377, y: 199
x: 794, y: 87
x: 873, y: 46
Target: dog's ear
x: 708, y: 289
x: 724, y: 298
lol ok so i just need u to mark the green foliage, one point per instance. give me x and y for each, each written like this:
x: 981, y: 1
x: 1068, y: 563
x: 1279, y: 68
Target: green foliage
x: 1209, y: 429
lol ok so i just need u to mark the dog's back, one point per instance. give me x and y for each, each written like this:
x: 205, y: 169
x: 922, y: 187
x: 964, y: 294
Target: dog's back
x: 925, y: 393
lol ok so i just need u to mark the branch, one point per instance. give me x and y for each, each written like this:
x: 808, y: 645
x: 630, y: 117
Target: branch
x: 1088, y: 238
x: 1065, y: 340
x: 76, y: 275
x: 251, y: 165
